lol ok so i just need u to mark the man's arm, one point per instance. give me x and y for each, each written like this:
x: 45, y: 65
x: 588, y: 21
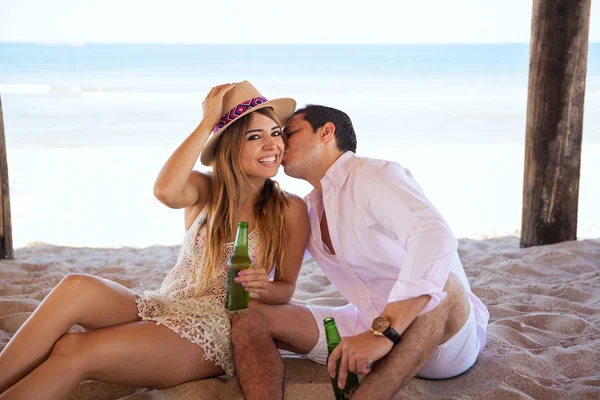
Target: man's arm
x: 400, y: 208
x: 403, y: 313
x: 357, y: 353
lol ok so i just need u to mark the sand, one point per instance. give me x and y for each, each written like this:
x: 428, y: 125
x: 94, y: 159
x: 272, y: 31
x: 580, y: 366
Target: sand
x: 543, y: 337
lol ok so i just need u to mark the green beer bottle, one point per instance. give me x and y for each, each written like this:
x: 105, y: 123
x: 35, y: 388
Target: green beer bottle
x: 333, y: 339
x: 236, y: 296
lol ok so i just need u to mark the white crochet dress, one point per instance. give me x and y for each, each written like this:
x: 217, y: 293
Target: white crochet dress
x: 202, y: 319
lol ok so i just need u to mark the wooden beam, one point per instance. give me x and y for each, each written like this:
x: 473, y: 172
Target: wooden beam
x: 6, y: 247
x: 557, y: 72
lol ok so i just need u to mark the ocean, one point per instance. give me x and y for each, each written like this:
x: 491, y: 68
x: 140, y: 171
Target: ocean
x: 88, y: 127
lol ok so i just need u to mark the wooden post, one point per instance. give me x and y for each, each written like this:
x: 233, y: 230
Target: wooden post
x: 6, y: 247
x: 557, y: 71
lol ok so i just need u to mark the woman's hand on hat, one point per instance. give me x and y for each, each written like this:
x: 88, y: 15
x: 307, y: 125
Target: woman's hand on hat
x: 212, y: 106
x: 255, y: 281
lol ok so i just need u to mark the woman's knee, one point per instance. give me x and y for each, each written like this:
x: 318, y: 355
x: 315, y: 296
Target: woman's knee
x: 77, y: 283
x: 83, y: 286
x: 70, y: 351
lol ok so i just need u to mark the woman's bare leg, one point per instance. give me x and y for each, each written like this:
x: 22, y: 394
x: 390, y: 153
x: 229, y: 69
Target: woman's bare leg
x: 89, y: 301
x: 139, y: 354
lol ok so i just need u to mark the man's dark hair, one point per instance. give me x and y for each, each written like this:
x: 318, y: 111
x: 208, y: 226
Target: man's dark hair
x: 317, y: 116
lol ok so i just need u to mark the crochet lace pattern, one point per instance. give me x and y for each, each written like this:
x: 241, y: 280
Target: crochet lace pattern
x: 200, y: 317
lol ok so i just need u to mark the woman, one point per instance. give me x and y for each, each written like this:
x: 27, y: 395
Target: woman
x: 180, y: 332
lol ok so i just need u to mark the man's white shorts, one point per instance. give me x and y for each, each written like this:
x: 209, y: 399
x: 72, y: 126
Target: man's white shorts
x: 451, y: 358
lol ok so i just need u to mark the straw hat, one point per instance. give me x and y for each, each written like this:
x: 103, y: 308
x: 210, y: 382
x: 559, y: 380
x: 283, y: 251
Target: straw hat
x: 239, y: 101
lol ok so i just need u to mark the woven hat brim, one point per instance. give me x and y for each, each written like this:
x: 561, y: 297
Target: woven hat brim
x: 283, y: 108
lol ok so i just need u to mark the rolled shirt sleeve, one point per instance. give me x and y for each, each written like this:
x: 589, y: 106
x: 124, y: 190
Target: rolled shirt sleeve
x: 400, y: 207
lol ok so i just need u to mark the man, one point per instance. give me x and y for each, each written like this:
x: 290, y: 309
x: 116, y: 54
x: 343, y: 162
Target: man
x: 388, y: 251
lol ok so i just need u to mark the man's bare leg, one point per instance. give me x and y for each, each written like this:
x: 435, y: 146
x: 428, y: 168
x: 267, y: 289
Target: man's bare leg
x: 256, y: 337
x: 417, y: 345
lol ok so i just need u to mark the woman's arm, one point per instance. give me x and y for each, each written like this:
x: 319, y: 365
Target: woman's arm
x: 177, y: 185
x: 280, y: 291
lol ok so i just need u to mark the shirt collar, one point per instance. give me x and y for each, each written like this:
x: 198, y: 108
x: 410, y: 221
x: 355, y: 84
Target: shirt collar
x: 313, y: 199
x: 340, y: 169
x: 337, y: 174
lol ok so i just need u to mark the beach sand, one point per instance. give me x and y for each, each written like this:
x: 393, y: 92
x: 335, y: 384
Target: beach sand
x: 542, y: 338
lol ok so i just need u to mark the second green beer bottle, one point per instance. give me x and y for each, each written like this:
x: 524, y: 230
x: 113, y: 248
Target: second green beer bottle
x: 236, y: 296
x: 333, y: 339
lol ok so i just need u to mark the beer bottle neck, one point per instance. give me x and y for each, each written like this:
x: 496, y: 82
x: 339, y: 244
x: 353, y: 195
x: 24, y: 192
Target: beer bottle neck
x: 333, y: 336
x: 241, y: 240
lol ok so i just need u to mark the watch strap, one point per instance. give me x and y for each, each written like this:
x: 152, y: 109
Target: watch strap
x: 392, y: 334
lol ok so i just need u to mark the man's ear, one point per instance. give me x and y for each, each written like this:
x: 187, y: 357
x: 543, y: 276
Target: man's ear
x: 327, y: 131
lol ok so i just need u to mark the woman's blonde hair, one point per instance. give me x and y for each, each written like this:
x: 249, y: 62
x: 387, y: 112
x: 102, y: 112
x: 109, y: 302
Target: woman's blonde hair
x: 228, y: 179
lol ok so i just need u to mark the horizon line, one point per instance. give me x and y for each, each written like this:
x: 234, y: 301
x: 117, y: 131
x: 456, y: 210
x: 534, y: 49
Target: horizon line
x: 81, y: 43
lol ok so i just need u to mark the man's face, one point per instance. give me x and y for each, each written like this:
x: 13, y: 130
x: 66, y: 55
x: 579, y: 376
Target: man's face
x: 302, y: 150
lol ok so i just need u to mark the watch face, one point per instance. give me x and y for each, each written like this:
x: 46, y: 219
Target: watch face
x: 380, y: 324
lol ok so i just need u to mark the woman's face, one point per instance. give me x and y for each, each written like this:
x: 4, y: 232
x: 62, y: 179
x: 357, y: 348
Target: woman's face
x: 262, y: 149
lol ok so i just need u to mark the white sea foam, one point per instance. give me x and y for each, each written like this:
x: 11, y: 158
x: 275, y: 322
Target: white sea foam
x: 12, y: 88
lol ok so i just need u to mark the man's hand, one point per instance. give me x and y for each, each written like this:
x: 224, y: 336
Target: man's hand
x: 357, y: 353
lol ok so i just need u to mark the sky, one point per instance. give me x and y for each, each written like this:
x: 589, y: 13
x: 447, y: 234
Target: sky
x: 270, y: 21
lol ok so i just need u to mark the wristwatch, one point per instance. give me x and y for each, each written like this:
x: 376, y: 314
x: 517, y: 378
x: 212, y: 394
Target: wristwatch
x: 382, y: 326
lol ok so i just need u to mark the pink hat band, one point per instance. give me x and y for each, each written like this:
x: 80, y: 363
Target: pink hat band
x: 237, y: 111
